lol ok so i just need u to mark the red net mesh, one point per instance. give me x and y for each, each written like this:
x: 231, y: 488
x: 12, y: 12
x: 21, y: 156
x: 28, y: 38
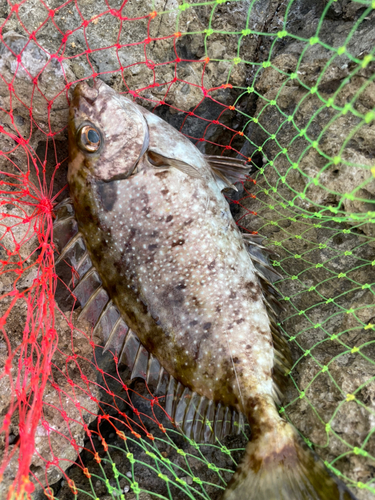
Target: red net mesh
x: 49, y: 373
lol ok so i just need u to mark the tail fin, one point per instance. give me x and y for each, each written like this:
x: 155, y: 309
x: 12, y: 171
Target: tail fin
x: 278, y: 466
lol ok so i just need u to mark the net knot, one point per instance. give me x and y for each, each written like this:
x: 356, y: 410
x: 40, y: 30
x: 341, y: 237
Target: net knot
x: 54, y: 462
x: 8, y: 363
x: 45, y: 424
x: 51, y: 13
x: 97, y: 458
x: 153, y: 14
x: 86, y: 473
x: 134, y: 486
x: 28, y: 486
x: 64, y: 415
x: 49, y: 493
x: 6, y: 421
x: 14, y: 8
x: 177, y: 35
x: 163, y: 476
x: 85, y: 23
x: 121, y: 435
x: 45, y: 205
x: 72, y: 486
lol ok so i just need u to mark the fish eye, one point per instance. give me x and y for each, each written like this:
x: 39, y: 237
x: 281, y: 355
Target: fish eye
x: 89, y: 138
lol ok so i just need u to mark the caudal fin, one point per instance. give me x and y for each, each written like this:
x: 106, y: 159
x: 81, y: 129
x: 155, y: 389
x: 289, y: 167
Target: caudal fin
x: 283, y: 469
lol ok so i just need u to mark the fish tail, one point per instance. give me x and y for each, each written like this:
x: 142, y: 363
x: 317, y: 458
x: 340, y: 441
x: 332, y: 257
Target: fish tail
x: 279, y: 466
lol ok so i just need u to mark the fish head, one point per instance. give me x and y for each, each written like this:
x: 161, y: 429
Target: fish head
x: 107, y: 133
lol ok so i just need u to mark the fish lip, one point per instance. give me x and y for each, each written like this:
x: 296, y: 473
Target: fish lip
x: 84, y: 91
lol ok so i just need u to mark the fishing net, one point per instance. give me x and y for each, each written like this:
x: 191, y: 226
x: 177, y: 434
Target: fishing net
x: 288, y: 86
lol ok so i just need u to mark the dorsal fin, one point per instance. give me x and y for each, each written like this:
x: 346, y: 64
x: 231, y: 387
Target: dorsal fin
x: 267, y: 275
x: 228, y: 170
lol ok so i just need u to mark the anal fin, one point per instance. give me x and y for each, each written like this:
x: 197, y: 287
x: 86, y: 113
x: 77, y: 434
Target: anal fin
x: 153, y: 371
x: 140, y: 363
x: 162, y: 383
x: 94, y: 306
x: 267, y: 276
x: 115, y: 342
x: 181, y: 407
x: 130, y: 348
x: 87, y: 286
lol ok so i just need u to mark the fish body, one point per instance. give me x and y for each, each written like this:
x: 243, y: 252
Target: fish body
x: 160, y: 235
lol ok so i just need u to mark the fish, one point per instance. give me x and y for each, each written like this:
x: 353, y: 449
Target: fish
x: 170, y: 282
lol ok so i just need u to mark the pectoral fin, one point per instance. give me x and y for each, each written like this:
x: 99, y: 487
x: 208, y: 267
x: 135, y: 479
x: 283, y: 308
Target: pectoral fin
x: 160, y: 161
x: 228, y: 171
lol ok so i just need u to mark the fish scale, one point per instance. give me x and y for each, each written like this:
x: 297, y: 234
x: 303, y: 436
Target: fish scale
x: 100, y: 312
x: 191, y: 290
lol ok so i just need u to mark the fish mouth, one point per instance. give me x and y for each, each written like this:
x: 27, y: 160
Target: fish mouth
x: 83, y: 90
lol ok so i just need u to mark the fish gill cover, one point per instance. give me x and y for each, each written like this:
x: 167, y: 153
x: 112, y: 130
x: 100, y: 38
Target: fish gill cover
x: 288, y: 86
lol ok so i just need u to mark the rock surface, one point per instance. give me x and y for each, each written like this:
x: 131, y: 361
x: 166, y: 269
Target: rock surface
x: 319, y: 236
x: 324, y: 242
x: 67, y: 401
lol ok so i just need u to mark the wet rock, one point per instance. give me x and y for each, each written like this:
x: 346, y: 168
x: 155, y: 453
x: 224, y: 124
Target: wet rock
x: 32, y: 82
x: 314, y: 199
x: 314, y: 249
x: 68, y: 403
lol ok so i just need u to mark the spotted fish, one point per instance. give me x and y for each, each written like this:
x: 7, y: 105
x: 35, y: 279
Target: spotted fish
x: 165, y: 275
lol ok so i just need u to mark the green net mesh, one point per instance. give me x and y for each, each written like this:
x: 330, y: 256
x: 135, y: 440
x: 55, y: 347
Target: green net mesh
x: 288, y: 85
